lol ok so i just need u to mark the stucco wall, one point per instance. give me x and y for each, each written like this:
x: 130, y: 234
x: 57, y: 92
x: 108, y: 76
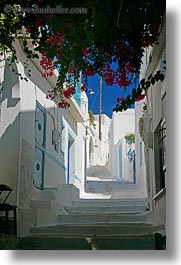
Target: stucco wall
x: 9, y: 129
x: 122, y: 123
x: 17, y: 129
x: 154, y: 116
x: 139, y: 147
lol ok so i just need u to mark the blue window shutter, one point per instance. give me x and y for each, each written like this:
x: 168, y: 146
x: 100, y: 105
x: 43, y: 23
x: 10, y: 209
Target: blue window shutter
x: 39, y: 127
x: 39, y: 146
x: 39, y: 161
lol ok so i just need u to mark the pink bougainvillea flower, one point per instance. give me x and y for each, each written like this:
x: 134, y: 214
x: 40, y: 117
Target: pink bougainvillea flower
x: 63, y: 104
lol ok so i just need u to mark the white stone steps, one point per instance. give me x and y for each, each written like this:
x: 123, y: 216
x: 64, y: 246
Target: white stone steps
x: 127, y: 195
x: 104, y: 183
x: 110, y: 186
x: 49, y: 194
x: 110, y: 202
x: 81, y: 209
x: 121, y: 194
x: 87, y: 230
x: 47, y: 205
x: 33, y: 216
x: 103, y: 218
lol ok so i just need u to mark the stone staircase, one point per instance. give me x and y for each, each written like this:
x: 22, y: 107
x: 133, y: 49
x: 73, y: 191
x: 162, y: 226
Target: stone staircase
x: 99, y: 183
x: 94, y: 222
x: 82, y: 223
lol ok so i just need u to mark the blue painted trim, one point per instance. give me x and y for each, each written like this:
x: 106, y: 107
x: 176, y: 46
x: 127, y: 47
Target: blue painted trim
x: 41, y: 108
x: 71, y: 133
x: 54, y: 159
x: 41, y: 186
x: 134, y: 169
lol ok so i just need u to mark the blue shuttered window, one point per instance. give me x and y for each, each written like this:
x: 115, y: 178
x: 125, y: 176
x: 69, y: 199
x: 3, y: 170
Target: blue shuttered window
x: 39, y: 146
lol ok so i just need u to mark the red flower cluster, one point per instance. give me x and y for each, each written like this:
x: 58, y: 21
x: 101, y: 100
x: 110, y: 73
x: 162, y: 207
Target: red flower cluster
x: 69, y: 92
x: 140, y: 97
x: 108, y: 74
x: 122, y: 80
x: 50, y: 95
x: 129, y: 68
x: 47, y: 65
x: 88, y: 72
x: 56, y: 41
x: 109, y: 78
x: 63, y: 104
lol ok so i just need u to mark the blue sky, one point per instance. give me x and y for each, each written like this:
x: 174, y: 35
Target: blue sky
x: 109, y: 95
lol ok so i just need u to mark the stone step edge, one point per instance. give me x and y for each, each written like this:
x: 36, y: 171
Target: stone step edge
x: 108, y: 213
x: 108, y: 225
x: 87, y: 237
x: 116, y: 214
x: 108, y: 209
x: 94, y: 234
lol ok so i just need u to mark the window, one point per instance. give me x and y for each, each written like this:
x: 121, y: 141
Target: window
x: 159, y: 152
x: 163, y: 144
x: 39, y: 146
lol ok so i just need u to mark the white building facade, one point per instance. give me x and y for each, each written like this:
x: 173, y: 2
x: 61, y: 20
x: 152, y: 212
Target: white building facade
x: 140, y: 146
x: 122, y: 153
x: 154, y: 126
x: 41, y: 145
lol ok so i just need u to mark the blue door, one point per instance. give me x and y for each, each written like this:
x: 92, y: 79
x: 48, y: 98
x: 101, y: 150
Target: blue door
x: 39, y: 146
x: 134, y: 169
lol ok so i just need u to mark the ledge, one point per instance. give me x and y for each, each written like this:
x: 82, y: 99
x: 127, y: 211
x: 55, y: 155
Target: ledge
x: 75, y: 110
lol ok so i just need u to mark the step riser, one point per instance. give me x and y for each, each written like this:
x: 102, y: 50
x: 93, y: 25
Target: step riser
x: 108, y: 203
x: 90, y: 188
x: 97, y: 219
x: 105, y: 209
x: 113, y: 184
x: 125, y: 243
x: 92, y: 231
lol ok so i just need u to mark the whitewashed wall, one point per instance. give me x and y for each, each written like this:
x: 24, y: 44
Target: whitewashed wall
x: 140, y: 149
x: 9, y: 128
x: 154, y: 117
x: 122, y: 123
x: 17, y: 129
